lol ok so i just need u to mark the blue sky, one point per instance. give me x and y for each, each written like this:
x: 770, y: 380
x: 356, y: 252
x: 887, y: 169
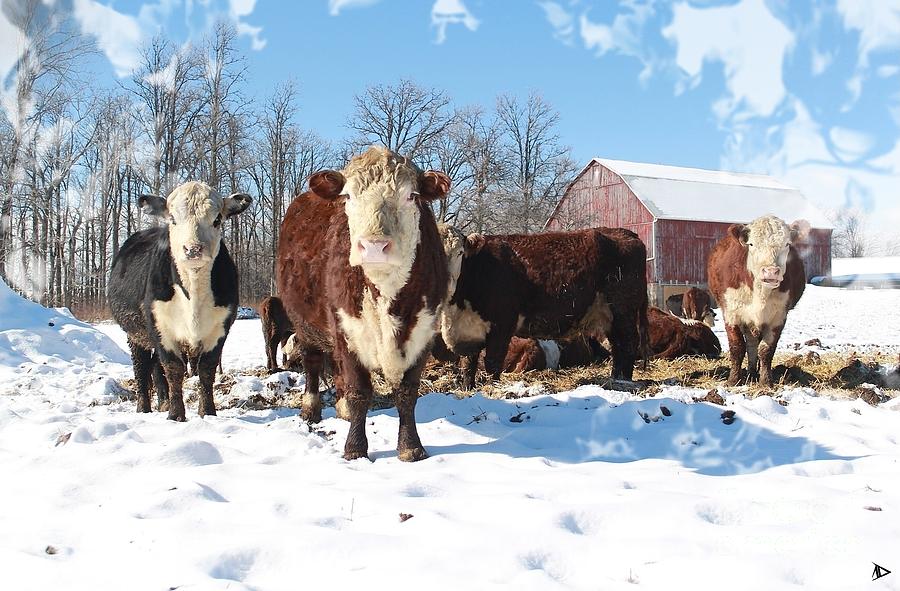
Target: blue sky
x: 806, y: 91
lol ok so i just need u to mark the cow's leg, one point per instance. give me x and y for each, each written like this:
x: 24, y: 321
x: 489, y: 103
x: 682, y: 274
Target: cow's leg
x: 206, y: 369
x: 271, y: 348
x: 469, y: 370
x: 341, y: 408
x: 142, y: 363
x: 737, y: 348
x: 311, y: 407
x: 496, y: 346
x: 357, y: 394
x: 752, y: 338
x: 623, y: 336
x: 767, y: 348
x: 409, y: 446
x: 161, y: 385
x: 174, y: 369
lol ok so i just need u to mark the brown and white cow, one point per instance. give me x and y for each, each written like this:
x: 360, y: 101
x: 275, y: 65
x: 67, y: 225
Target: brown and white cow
x: 672, y: 337
x: 362, y: 274
x: 548, y: 286
x: 757, y: 276
x: 277, y: 328
x: 697, y: 305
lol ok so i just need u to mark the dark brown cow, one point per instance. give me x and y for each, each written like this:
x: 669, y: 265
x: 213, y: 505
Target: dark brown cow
x: 672, y: 337
x: 697, y: 305
x: 277, y: 328
x: 362, y: 273
x: 549, y: 286
x: 756, y: 276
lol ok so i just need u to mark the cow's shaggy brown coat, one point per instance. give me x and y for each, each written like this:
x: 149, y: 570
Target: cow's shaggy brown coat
x: 277, y: 328
x: 549, y: 286
x: 756, y: 276
x: 362, y: 272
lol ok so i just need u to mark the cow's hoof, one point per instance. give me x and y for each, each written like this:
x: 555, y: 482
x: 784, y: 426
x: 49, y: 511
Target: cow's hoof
x: 207, y: 413
x: 355, y: 455
x: 143, y: 408
x: 177, y: 416
x: 412, y: 455
x: 311, y: 416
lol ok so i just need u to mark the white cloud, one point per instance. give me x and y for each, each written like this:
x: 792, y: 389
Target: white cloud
x: 878, y: 23
x: 798, y: 153
x: 117, y: 34
x: 451, y: 12
x: 561, y: 20
x: 820, y: 61
x: 336, y: 6
x: 623, y: 35
x: 750, y: 43
x: 887, y: 71
x: 850, y: 144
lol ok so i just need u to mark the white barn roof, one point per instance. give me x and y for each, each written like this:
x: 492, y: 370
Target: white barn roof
x: 673, y: 192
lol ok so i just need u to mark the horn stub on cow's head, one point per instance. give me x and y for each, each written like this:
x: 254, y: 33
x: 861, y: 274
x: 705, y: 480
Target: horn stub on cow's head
x: 236, y: 203
x: 327, y: 184
x: 474, y: 244
x: 433, y: 185
x: 152, y: 205
x: 740, y: 232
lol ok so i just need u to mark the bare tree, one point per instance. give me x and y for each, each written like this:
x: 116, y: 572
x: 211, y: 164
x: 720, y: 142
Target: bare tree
x: 405, y: 118
x: 850, y: 237
x: 541, y: 166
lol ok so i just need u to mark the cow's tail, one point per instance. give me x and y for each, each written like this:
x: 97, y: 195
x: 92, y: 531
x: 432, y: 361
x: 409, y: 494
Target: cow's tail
x: 644, y: 335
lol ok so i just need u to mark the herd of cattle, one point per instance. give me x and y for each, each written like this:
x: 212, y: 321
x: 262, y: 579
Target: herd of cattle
x: 369, y: 282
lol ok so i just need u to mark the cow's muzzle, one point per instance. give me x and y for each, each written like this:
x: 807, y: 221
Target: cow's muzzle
x: 193, y: 252
x: 771, y: 276
x: 374, y: 250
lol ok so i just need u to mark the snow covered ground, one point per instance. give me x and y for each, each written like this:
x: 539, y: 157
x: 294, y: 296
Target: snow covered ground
x: 572, y: 491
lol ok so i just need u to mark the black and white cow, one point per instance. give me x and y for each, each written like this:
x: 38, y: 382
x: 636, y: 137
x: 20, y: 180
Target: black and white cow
x: 174, y: 290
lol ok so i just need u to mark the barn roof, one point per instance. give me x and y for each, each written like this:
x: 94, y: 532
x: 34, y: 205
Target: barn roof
x: 674, y: 192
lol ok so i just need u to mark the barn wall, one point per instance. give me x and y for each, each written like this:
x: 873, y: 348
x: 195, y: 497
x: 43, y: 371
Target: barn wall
x: 599, y: 197
x: 684, y: 247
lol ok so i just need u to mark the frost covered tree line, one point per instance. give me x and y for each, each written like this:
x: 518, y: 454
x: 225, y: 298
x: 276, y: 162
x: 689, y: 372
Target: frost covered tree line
x: 74, y: 157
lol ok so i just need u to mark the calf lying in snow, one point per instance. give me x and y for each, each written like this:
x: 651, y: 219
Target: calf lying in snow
x: 174, y: 291
x: 671, y: 336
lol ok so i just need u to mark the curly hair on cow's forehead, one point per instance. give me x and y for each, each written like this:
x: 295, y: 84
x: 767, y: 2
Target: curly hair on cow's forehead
x: 380, y: 165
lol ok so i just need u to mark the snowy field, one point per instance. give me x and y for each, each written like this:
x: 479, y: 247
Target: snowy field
x: 571, y: 491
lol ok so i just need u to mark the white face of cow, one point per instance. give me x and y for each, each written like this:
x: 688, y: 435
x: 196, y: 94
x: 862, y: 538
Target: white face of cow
x: 382, y: 192
x: 768, y: 241
x: 195, y: 212
x: 455, y: 248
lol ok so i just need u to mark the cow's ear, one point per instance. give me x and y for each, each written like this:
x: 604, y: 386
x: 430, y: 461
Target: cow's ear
x: 740, y: 232
x: 474, y: 244
x: 433, y: 185
x: 800, y: 231
x: 236, y: 203
x: 153, y: 205
x: 327, y: 184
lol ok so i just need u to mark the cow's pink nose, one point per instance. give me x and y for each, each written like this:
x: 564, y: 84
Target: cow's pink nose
x: 771, y: 274
x: 374, y: 251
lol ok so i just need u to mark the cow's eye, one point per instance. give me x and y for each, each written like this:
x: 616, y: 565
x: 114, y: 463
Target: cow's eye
x: 172, y: 221
x: 218, y: 221
x: 749, y: 244
x: 412, y: 196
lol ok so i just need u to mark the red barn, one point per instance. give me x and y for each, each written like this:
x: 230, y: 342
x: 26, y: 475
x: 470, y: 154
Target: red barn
x: 680, y: 213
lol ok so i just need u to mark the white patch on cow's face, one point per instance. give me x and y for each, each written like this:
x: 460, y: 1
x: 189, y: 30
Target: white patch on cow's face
x: 373, y: 336
x: 196, y: 213
x: 768, y: 244
x: 454, y: 246
x: 462, y: 326
x: 383, y: 217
